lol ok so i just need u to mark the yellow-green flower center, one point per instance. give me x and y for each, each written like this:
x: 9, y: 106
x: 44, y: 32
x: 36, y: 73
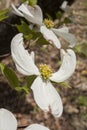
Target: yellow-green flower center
x: 45, y: 71
x: 49, y: 23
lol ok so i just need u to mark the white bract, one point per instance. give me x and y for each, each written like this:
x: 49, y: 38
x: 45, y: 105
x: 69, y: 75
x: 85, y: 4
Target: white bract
x: 45, y: 94
x: 9, y: 122
x: 35, y: 16
x: 64, y: 6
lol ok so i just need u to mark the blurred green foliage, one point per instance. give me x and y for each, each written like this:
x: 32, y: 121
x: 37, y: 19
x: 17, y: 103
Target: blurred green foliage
x: 81, y: 49
x: 85, y: 3
x: 82, y: 100
x: 83, y: 116
x: 59, y: 15
x: 61, y: 19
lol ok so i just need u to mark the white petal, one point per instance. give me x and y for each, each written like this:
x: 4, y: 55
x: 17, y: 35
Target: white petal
x: 32, y: 14
x: 64, y: 5
x: 64, y: 32
x: 67, y: 68
x: 63, y: 29
x: 50, y: 36
x: 36, y: 127
x: 38, y: 14
x: 62, y: 54
x: 7, y: 120
x: 24, y: 9
x: 47, y: 97
x: 21, y: 57
x: 32, y: 55
x: 16, y: 11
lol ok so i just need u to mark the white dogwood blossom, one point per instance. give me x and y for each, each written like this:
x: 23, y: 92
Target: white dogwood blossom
x: 9, y: 122
x: 51, y: 34
x: 45, y: 94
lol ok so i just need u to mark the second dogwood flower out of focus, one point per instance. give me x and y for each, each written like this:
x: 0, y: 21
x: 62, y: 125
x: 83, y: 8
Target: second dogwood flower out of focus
x: 45, y: 26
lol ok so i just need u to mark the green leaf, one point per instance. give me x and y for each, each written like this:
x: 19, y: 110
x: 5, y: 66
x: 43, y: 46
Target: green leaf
x: 3, y: 14
x: 31, y: 34
x: 24, y: 88
x: 24, y: 1
x: 28, y: 33
x: 30, y: 80
x: 10, y: 75
x: 23, y: 28
x: 59, y: 15
x: 49, y: 16
x: 13, y: 79
x: 65, y: 84
x: 67, y: 20
x: 42, y: 41
x: 32, y: 2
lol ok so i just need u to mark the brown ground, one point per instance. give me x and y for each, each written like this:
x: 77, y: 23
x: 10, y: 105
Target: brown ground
x: 74, y: 99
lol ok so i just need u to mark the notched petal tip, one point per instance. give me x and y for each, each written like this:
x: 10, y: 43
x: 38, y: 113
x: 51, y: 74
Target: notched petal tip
x: 72, y: 54
x: 17, y: 39
x: 25, y: 9
x: 56, y: 106
x: 18, y: 36
x: 62, y: 53
x: 47, y: 97
x: 16, y: 11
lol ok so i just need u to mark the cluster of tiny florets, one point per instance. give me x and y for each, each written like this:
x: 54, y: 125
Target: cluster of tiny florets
x: 48, y: 23
x: 45, y: 71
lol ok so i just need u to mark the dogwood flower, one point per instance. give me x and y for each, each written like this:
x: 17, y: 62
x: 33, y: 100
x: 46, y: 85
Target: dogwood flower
x: 9, y: 122
x: 45, y: 94
x: 35, y: 16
